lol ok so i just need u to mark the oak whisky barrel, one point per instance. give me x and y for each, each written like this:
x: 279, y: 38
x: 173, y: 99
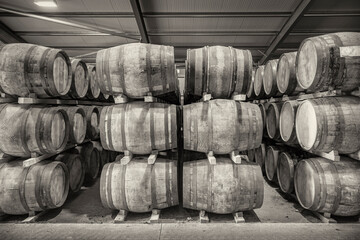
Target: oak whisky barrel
x: 260, y: 156
x: 42, y: 186
x: 287, y: 121
x: 77, y: 123
x: 258, y: 82
x: 218, y: 70
x: 286, y: 75
x: 93, y: 89
x: 326, y: 124
x: 285, y: 171
x: 271, y: 161
x: 329, y: 61
x: 138, y: 127
x: 80, y: 79
x: 328, y: 186
x: 136, y: 69
x: 92, y: 115
x: 92, y: 160
x: 273, y: 119
x: 28, y: 68
x: 222, y: 188
x: 139, y: 186
x: 221, y: 126
x: 269, y: 79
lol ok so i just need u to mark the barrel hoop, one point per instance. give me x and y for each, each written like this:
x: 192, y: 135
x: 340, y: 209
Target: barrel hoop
x: 27, y: 68
x: 255, y: 123
x: 109, y: 178
x: 123, y: 187
x: 322, y: 193
x: 39, y: 191
x: 210, y: 124
x: 205, y: 69
x: 152, y: 127
x: 40, y: 130
x: 191, y: 71
x: 121, y: 69
x: 247, y: 70
x: 103, y: 185
x: 193, y: 185
x: 151, y: 173
x: 23, y: 202
x: 251, y: 128
x: 340, y: 133
x: 23, y: 131
x: 210, y: 195
x: 123, y: 113
x: 44, y: 72
x: 163, y: 66
x: 233, y: 69
x: 338, y: 187
x: 105, y: 124
x: 50, y: 71
x: 321, y: 122
x: 259, y: 188
x: 335, y: 63
x: 236, y: 170
x: 195, y: 134
x: 252, y: 198
x: 166, y: 125
x: 168, y: 180
x: 237, y: 124
x: 149, y: 67
x: 106, y: 66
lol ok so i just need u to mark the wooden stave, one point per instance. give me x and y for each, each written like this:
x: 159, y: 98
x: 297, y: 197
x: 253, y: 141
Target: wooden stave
x: 194, y: 111
x: 38, y: 73
x: 271, y: 78
x: 277, y: 108
x: 338, y: 174
x: 349, y: 143
x: 131, y: 140
x: 145, y: 185
x: 293, y: 138
x: 199, y: 82
x: 209, y: 202
x: 71, y: 111
x: 92, y: 132
x: 285, y: 159
x: 22, y: 201
x: 327, y: 49
x: 293, y: 88
x: 258, y: 82
x: 30, y: 138
x: 93, y: 89
x: 164, y: 53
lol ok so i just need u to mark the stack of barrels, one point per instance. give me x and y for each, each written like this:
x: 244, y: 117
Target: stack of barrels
x: 138, y: 129
x: 315, y: 124
x: 27, y: 130
x: 222, y: 127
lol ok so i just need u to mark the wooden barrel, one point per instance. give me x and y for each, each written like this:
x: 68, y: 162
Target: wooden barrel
x: 138, y: 127
x: 91, y: 155
x: 218, y: 70
x: 272, y: 120
x: 138, y: 186
x: 76, y: 167
x: 250, y: 92
x: 326, y: 124
x: 263, y: 108
x: 260, y: 155
x: 80, y: 79
x: 271, y: 161
x: 222, y: 188
x: 77, y: 123
x: 269, y: 79
x: 104, y: 154
x: 258, y: 82
x: 285, y: 171
x: 27, y: 68
x: 222, y: 126
x: 286, y: 75
x: 42, y: 186
x: 92, y: 114
x: 330, y: 60
x: 93, y: 89
x: 287, y: 121
x: 136, y: 69
x: 326, y: 186
x: 26, y: 129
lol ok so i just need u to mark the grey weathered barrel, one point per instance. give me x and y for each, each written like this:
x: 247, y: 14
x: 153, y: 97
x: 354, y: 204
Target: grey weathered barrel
x: 326, y: 186
x: 26, y: 129
x: 287, y: 121
x: 222, y: 126
x: 250, y: 92
x: 258, y: 82
x: 285, y: 171
x: 263, y: 108
x: 222, y: 188
x: 105, y: 155
x: 269, y: 79
x: 138, y: 127
x: 27, y: 68
x: 136, y: 69
x: 286, y: 75
x: 330, y: 60
x: 93, y: 89
x: 92, y: 114
x: 326, y: 124
x: 92, y: 158
x: 138, y: 186
x: 218, y: 70
x: 76, y: 167
x: 271, y: 161
x: 80, y: 80
x: 77, y: 123
x: 42, y: 186
x: 272, y: 120
x: 260, y: 155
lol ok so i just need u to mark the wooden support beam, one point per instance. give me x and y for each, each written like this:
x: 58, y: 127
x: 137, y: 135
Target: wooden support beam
x: 135, y: 5
x: 8, y: 36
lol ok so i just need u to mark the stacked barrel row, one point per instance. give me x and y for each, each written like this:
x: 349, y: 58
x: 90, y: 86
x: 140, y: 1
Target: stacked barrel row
x: 218, y: 128
x: 318, y: 125
x: 137, y: 128
x: 35, y: 130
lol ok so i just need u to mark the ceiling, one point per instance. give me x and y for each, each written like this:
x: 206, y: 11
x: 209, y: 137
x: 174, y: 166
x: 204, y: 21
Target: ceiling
x: 266, y: 27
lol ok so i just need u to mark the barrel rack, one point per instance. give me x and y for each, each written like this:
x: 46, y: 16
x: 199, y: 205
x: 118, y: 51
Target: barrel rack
x: 35, y: 158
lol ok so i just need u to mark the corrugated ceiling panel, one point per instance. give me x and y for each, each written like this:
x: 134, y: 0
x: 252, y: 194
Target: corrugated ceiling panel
x: 335, y: 5
x: 218, y: 5
x: 31, y: 24
x: 328, y: 24
x: 121, y: 24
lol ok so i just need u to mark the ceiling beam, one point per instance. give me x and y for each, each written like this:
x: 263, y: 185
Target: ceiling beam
x: 8, y: 36
x: 285, y: 30
x: 72, y: 24
x: 76, y: 14
x: 135, y: 5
